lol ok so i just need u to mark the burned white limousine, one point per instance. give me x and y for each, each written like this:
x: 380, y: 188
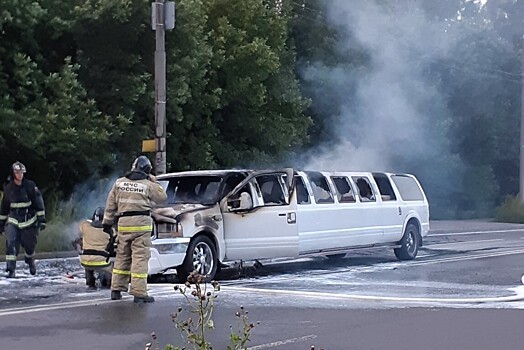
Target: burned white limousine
x: 213, y: 218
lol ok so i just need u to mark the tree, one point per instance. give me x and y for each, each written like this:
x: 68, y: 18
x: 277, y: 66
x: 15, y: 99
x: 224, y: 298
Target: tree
x: 236, y: 98
x: 48, y: 121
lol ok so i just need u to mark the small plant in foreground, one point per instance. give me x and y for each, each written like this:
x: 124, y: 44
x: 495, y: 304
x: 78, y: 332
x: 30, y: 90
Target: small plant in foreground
x: 201, y: 302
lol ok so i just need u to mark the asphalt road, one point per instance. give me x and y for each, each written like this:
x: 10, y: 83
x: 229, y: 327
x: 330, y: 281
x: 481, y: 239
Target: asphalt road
x: 464, y: 291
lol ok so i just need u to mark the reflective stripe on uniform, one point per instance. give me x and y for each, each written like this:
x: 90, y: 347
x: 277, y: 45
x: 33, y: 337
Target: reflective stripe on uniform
x: 133, y: 201
x: 139, y: 275
x: 40, y: 213
x: 95, y: 263
x: 29, y: 255
x: 23, y: 224
x: 21, y: 204
x: 3, y: 217
x: 135, y: 228
x: 121, y: 272
x: 10, y: 257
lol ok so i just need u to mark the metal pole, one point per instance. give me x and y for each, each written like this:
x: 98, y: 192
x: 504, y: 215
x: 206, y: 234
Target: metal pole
x: 160, y: 90
x: 521, y: 189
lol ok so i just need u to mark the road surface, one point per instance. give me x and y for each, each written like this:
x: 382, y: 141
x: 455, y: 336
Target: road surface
x: 464, y: 291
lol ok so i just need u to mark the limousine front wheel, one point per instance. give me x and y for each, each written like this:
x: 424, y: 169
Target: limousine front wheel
x: 201, y: 257
x: 409, y: 243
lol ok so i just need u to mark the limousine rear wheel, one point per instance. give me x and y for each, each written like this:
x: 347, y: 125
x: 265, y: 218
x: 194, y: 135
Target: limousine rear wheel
x: 409, y: 243
x: 201, y: 257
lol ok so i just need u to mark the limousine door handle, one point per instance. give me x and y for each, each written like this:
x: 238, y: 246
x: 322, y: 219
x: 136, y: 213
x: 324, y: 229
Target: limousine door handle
x: 399, y: 211
x: 291, y: 217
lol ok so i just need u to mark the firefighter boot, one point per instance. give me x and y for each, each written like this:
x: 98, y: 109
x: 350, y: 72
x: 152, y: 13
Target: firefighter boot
x: 116, y: 295
x: 32, y: 267
x: 10, y: 269
x: 146, y: 299
x: 90, y: 279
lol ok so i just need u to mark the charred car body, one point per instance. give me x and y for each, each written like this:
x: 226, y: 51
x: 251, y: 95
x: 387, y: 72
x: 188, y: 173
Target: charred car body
x: 216, y: 217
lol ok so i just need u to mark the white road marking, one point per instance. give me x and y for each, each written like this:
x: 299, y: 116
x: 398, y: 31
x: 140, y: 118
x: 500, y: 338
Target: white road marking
x: 321, y: 295
x: 465, y: 242
x: 58, y: 306
x: 461, y: 258
x: 69, y: 304
x: 282, y: 342
x: 474, y: 232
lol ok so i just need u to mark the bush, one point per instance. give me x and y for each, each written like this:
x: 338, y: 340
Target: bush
x: 510, y: 211
x: 58, y: 236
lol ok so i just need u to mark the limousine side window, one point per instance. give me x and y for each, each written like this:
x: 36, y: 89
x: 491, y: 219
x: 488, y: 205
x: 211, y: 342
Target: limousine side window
x: 302, y: 191
x: 364, y: 189
x: 384, y: 187
x: 320, y: 187
x: 344, y: 190
x: 408, y: 188
x: 271, y: 189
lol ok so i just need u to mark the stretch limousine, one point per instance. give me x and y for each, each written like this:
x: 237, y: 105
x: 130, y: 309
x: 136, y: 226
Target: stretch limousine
x: 218, y: 217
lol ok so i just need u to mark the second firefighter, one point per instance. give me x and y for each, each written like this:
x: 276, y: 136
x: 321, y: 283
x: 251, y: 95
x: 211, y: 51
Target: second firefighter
x: 22, y: 215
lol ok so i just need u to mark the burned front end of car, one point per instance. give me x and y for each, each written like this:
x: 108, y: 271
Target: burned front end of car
x: 192, y: 209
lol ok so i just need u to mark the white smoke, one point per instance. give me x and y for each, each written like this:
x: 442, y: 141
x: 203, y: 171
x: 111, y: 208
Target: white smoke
x: 394, y: 112
x: 86, y: 197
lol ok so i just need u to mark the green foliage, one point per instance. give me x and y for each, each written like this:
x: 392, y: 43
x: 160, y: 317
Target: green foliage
x: 48, y: 120
x: 511, y: 210
x: 234, y: 57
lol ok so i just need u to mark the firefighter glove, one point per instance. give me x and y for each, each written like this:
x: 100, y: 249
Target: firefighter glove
x: 41, y: 223
x: 107, y: 229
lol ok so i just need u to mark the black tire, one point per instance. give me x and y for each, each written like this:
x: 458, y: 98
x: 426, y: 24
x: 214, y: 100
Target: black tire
x: 409, y: 243
x: 336, y: 257
x: 201, y: 256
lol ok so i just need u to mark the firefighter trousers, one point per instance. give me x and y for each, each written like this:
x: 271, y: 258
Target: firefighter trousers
x: 131, y: 263
x: 16, y: 237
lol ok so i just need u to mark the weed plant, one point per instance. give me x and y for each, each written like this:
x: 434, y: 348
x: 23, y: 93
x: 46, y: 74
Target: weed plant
x: 194, y: 321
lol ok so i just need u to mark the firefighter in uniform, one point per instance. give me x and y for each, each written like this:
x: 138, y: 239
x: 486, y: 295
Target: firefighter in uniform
x: 94, y: 257
x: 129, y: 204
x: 22, y: 215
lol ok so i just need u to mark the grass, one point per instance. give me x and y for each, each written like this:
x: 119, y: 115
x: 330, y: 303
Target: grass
x: 58, y: 236
x: 512, y: 210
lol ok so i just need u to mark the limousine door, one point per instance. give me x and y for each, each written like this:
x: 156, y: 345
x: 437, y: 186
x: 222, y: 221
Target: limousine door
x: 267, y: 227
x: 393, y: 215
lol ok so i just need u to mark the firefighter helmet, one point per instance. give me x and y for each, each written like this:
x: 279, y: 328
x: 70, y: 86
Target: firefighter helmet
x: 142, y: 164
x: 17, y: 166
x: 98, y: 216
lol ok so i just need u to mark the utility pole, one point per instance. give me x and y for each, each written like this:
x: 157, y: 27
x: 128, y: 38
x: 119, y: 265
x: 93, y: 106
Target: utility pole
x: 163, y: 17
x: 521, y: 189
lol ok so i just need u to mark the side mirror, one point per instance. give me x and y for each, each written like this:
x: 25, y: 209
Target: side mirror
x: 246, y: 202
x: 242, y: 203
